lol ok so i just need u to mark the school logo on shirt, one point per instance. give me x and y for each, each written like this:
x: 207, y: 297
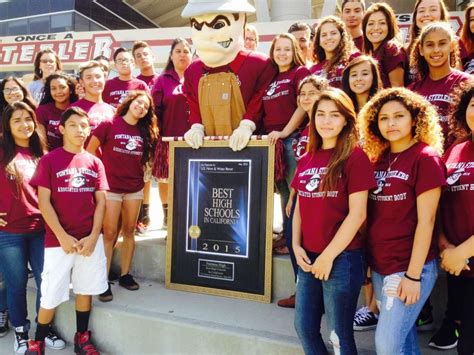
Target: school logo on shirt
x: 313, y: 182
x: 132, y: 144
x: 272, y: 88
x: 78, y: 180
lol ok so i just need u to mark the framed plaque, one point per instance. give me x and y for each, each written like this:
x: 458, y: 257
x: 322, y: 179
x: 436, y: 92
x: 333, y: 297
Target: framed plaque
x: 220, y: 219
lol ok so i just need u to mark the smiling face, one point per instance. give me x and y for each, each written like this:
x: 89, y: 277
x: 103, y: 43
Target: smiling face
x: 12, y: 92
x: 60, y: 91
x: 93, y: 81
x: 329, y: 38
x: 428, y: 11
x: 395, y: 122
x: 22, y: 126
x: 283, y: 54
x: 47, y: 64
x: 361, y: 78
x: 217, y: 37
x: 436, y: 48
x: 377, y: 28
x: 139, y: 107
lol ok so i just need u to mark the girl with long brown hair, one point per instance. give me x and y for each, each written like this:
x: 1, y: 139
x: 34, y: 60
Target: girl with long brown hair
x: 466, y: 42
x: 127, y: 141
x: 46, y: 63
x: 333, y: 49
x: 331, y: 182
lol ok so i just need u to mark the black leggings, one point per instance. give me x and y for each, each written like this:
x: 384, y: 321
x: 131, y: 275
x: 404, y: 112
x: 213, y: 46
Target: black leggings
x: 461, y: 304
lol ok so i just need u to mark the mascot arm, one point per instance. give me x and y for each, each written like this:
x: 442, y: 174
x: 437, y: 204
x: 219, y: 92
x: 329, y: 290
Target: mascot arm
x: 190, y: 91
x: 255, y: 105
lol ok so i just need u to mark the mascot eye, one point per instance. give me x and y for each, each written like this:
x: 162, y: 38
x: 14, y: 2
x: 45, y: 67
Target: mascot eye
x: 218, y: 25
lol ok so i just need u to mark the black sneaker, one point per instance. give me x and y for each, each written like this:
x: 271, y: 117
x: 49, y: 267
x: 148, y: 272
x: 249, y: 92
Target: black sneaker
x: 128, y: 282
x: 425, y: 322
x: 364, y: 319
x: 113, y: 276
x: 107, y: 296
x: 446, y: 337
x: 3, y: 323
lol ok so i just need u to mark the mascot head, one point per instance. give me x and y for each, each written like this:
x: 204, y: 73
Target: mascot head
x: 217, y: 28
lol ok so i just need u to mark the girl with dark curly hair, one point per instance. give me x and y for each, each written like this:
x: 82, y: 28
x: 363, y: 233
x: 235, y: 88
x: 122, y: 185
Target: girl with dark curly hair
x: 403, y: 139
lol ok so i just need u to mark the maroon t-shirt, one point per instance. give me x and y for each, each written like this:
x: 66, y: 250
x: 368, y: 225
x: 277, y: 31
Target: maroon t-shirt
x: 171, y: 106
x: 50, y: 116
x: 439, y: 93
x: 322, y: 213
x: 19, y: 199
x: 73, y: 180
x: 359, y: 43
x: 392, y: 214
x: 457, y: 202
x: 467, y: 58
x: 279, y: 100
x: 97, y: 113
x: 254, y: 73
x: 116, y: 90
x: 390, y: 56
x: 334, y: 76
x: 149, y: 80
x: 299, y: 147
x: 122, y: 150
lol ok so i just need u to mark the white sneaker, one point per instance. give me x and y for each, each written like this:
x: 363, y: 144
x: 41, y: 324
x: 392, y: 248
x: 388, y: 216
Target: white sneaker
x: 53, y: 341
x: 20, y: 344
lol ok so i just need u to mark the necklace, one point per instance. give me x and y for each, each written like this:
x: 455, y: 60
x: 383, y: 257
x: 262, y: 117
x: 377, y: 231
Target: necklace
x: 390, y: 163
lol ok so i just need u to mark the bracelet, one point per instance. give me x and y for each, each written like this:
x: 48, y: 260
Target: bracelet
x: 412, y: 278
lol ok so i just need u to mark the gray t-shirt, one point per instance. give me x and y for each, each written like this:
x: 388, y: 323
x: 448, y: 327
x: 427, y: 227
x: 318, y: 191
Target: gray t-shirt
x: 36, y: 89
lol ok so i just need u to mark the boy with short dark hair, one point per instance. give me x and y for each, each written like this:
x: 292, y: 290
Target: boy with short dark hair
x: 352, y: 13
x: 71, y: 192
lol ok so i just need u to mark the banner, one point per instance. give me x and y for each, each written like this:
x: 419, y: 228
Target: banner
x: 221, y: 212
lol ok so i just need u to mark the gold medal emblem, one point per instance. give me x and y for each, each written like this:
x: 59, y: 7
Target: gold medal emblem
x: 194, y: 232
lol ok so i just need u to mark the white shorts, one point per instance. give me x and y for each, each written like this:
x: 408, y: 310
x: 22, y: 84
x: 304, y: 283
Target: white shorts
x: 88, y: 274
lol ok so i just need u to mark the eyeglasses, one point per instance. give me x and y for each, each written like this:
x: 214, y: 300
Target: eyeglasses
x: 47, y: 61
x: 123, y: 61
x: 13, y: 90
x: 249, y: 39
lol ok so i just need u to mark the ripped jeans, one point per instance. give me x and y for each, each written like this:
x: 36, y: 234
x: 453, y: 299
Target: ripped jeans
x: 337, y: 296
x: 396, y: 330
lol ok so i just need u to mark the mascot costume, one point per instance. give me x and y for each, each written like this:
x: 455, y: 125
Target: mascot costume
x: 225, y: 85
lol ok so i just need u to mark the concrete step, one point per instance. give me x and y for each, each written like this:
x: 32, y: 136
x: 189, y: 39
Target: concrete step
x: 155, y: 320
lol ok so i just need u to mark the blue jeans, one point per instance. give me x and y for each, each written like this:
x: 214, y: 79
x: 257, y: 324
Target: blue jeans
x: 16, y: 250
x: 396, y: 329
x: 3, y: 294
x: 337, y: 297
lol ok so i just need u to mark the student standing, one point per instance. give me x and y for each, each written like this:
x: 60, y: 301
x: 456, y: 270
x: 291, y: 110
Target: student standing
x: 467, y: 40
x: 456, y: 241
x: 333, y: 49
x: 21, y: 224
x: 331, y: 182
x: 126, y: 141
x: 352, y: 13
x: 381, y: 42
x: 172, y: 112
x: 403, y: 140
x: 434, y: 58
x: 59, y: 93
x: 74, y: 249
x: 46, y: 63
x: 118, y: 88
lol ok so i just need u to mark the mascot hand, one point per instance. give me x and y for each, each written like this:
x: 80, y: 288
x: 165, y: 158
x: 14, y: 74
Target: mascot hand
x: 241, y: 135
x: 195, y: 135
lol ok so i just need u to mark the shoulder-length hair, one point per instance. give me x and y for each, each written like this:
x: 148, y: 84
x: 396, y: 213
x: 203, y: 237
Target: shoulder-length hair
x: 37, y: 144
x: 418, y: 63
x: 346, y: 141
x: 459, y: 130
x: 297, y: 60
x: 70, y: 81
x: 415, y: 30
x: 169, y: 64
x: 426, y: 127
x: 392, y: 25
x: 467, y: 37
x: 343, y: 50
x: 38, y: 72
x: 27, y: 98
x: 376, y: 81
x: 147, y: 125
